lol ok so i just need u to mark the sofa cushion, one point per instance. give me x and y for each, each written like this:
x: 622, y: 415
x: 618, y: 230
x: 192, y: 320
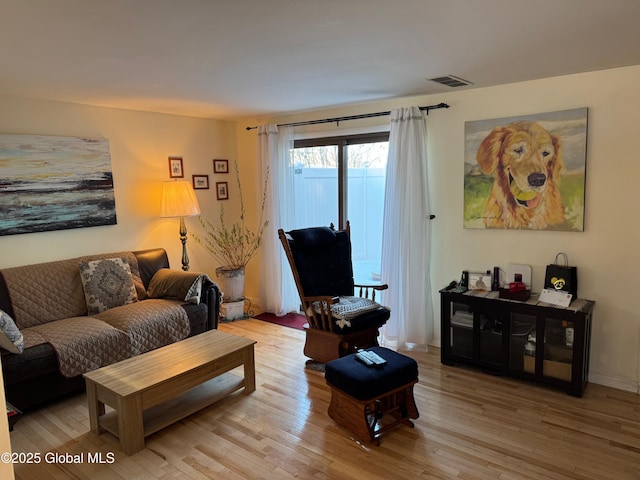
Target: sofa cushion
x: 313, y: 238
x: 11, y: 338
x: 149, y: 324
x: 83, y: 344
x: 323, y: 261
x: 32, y: 338
x: 31, y: 288
x: 107, y: 283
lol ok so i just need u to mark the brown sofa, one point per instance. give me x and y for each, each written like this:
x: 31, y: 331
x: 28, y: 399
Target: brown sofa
x: 80, y: 314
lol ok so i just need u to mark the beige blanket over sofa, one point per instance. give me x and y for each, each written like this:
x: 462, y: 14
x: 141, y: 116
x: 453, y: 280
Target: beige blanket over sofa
x: 55, y: 312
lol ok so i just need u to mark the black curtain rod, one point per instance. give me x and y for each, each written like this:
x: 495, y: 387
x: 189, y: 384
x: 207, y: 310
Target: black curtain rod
x: 352, y: 117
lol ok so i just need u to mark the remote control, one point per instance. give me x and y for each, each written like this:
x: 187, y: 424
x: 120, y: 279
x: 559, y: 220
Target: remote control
x: 373, y: 357
x: 364, y: 359
x: 377, y: 359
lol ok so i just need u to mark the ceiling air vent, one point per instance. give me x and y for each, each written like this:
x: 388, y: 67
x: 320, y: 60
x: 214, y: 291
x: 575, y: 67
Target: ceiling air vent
x: 451, y: 81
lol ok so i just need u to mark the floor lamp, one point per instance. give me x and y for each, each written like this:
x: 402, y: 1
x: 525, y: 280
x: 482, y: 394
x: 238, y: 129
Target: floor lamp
x: 179, y: 200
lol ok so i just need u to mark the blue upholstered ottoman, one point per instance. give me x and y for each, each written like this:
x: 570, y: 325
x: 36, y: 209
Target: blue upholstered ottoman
x: 369, y: 401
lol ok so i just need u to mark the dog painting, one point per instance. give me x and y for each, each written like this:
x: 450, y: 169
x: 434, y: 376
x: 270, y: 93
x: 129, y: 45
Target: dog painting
x: 526, y: 172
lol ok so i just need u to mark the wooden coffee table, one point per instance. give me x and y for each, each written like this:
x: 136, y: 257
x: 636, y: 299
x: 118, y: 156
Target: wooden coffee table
x: 153, y: 390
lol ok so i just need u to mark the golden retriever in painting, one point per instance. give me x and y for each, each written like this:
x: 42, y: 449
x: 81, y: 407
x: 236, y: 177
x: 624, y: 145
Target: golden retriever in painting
x: 525, y: 161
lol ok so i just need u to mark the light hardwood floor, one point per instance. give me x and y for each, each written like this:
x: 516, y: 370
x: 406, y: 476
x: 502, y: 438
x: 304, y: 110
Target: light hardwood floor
x: 471, y: 426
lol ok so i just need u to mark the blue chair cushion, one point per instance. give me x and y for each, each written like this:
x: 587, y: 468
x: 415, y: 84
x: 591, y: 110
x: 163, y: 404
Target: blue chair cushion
x: 323, y: 260
x: 349, y: 375
x: 313, y: 237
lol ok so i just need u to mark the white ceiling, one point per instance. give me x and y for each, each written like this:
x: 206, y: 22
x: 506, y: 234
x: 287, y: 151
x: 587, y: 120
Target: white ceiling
x: 228, y: 59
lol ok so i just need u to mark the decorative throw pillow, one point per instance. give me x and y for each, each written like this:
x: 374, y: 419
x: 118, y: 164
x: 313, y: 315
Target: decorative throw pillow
x: 350, y: 307
x: 184, y: 286
x: 11, y: 338
x: 107, y: 283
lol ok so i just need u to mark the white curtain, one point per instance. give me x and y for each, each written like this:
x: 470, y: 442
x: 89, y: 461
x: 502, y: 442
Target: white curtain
x: 278, y: 292
x: 405, y: 235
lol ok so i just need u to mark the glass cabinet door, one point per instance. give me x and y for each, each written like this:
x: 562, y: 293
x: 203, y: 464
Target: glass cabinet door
x: 461, y: 330
x: 558, y: 349
x: 490, y: 347
x: 522, y: 343
x: 476, y: 334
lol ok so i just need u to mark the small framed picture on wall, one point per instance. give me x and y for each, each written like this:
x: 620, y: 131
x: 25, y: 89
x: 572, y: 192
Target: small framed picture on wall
x: 175, y: 167
x: 220, y: 166
x: 200, y: 182
x: 222, y: 191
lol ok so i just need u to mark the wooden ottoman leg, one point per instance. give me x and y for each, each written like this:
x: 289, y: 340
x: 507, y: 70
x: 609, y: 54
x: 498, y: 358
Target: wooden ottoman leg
x: 401, y: 405
x: 410, y: 404
x: 356, y: 416
x: 367, y: 420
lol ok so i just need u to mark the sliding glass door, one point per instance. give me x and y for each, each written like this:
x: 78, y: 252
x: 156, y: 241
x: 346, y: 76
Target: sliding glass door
x: 339, y: 179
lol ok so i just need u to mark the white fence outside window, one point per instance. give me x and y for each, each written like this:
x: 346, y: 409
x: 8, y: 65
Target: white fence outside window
x: 316, y: 203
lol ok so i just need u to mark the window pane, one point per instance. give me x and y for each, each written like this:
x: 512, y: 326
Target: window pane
x: 316, y: 186
x: 367, y: 164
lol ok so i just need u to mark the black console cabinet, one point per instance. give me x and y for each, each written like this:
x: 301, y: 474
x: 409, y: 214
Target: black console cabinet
x: 531, y: 340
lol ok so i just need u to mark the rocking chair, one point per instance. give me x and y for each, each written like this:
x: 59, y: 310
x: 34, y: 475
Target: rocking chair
x: 339, y: 323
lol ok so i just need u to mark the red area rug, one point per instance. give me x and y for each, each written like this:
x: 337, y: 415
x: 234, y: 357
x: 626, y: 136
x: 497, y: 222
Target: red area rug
x: 293, y: 320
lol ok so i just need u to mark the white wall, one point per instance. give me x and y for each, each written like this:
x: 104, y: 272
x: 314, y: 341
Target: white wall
x: 606, y: 252
x: 140, y: 144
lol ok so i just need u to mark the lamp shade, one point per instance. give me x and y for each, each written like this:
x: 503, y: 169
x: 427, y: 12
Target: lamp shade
x: 178, y: 200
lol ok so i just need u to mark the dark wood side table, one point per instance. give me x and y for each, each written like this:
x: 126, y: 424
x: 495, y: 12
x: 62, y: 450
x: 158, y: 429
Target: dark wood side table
x: 528, y: 339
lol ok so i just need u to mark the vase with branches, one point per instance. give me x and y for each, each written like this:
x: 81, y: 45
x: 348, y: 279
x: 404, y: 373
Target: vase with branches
x: 235, y: 244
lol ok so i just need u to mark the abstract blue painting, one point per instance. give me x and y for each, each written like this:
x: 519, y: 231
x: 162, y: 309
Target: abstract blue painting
x: 54, y: 183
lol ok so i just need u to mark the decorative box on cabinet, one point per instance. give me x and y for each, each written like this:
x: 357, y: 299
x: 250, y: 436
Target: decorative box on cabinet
x: 531, y: 340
